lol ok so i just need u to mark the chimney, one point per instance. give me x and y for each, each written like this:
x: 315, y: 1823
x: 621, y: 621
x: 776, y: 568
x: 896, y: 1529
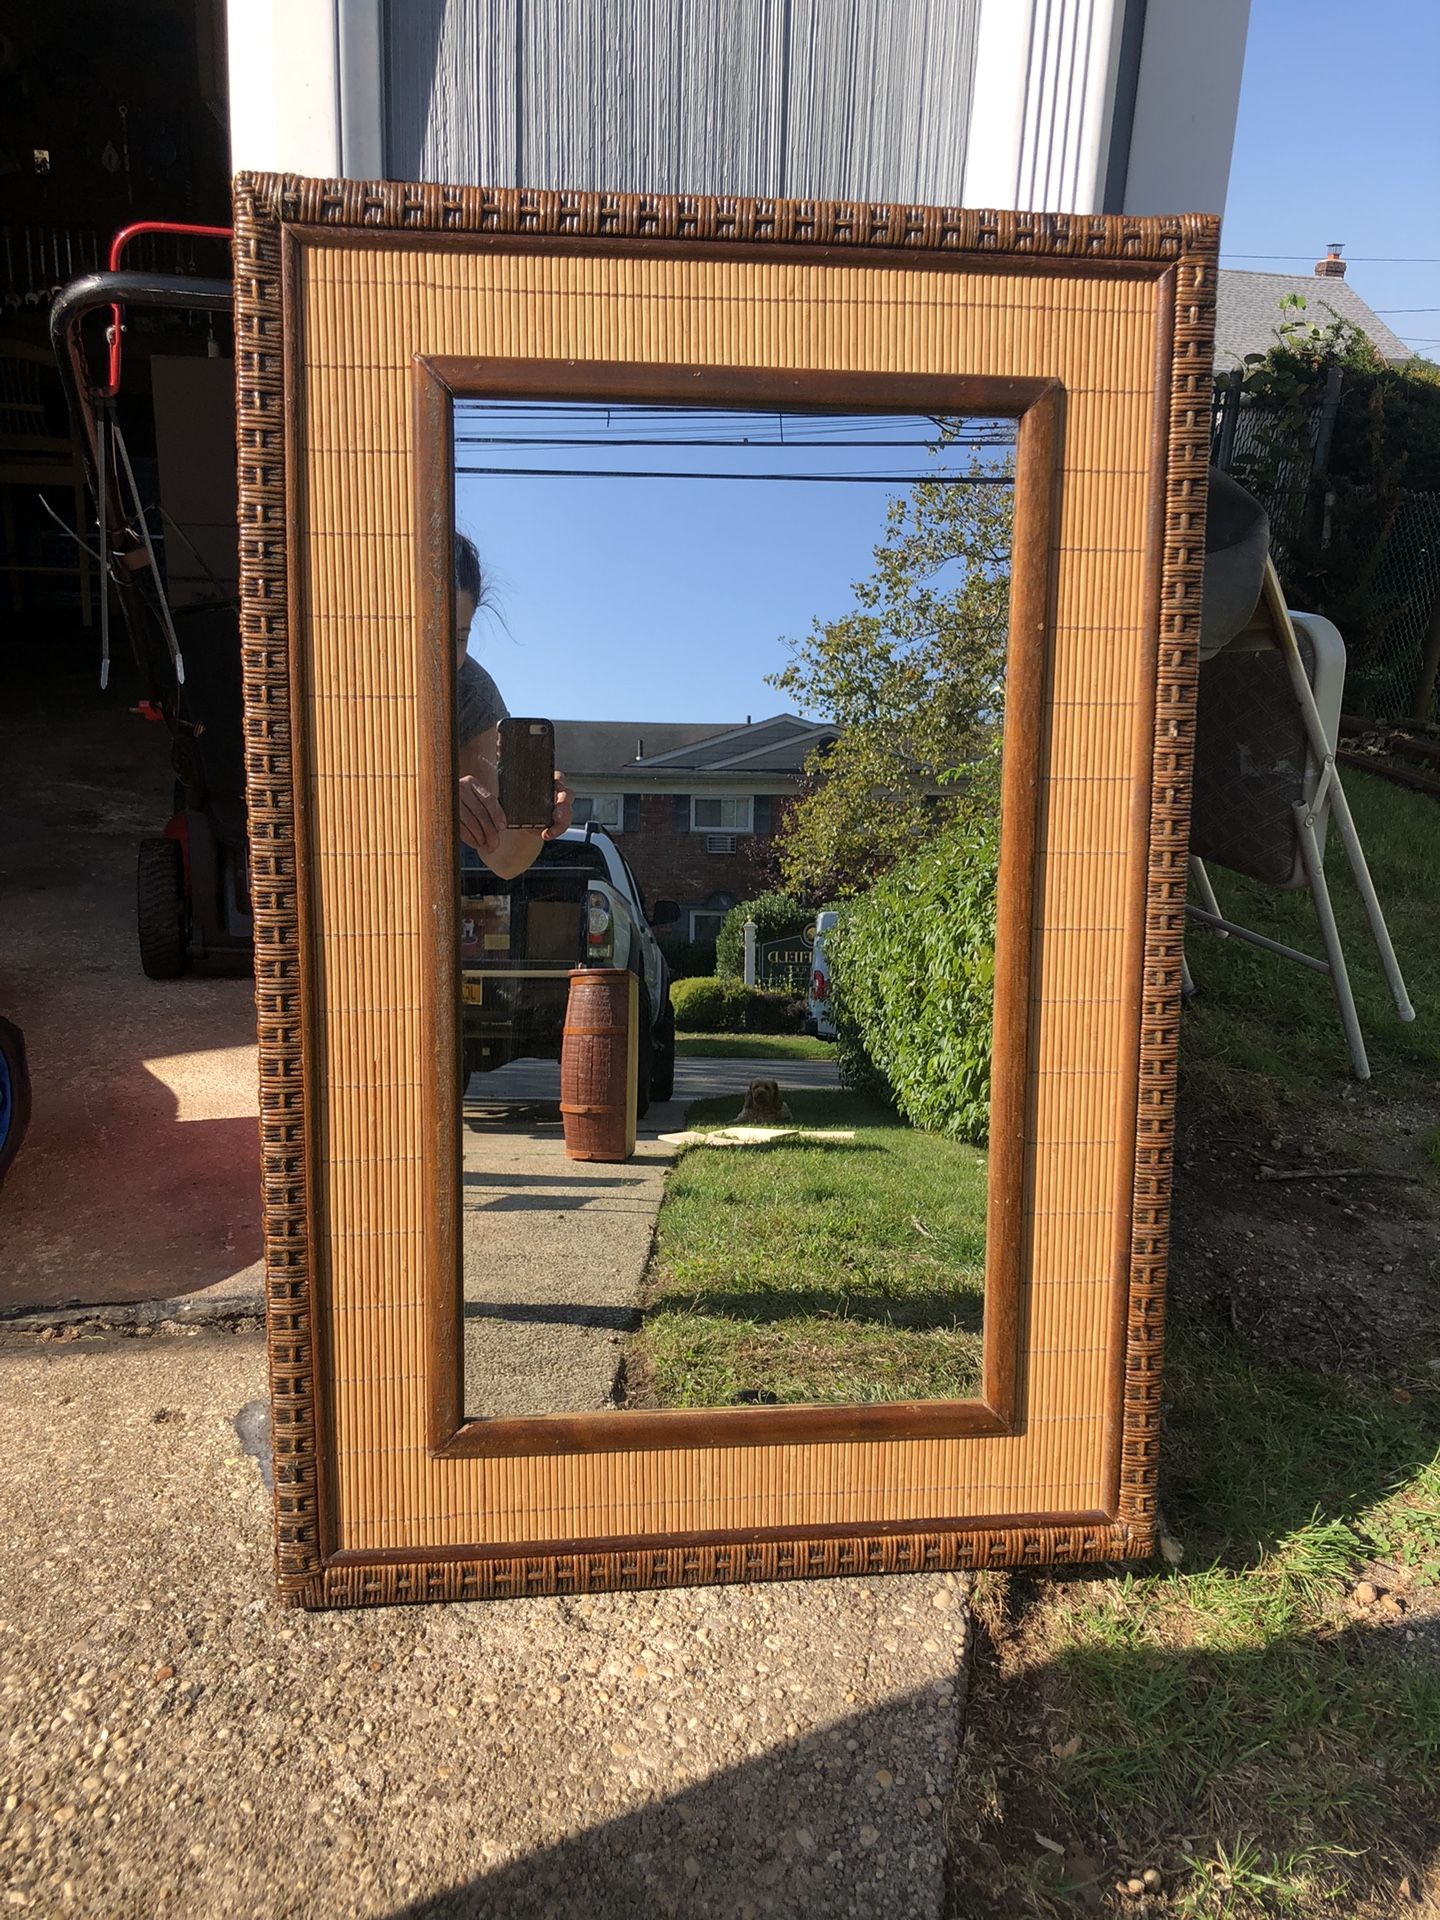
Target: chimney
x: 640, y: 749
x: 1332, y: 267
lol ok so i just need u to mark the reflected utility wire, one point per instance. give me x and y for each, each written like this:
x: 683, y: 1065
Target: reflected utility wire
x: 740, y: 428
x: 494, y: 427
x: 811, y: 479
x: 788, y: 446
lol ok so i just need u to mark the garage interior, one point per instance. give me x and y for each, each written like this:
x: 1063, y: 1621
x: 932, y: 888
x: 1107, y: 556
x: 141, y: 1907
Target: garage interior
x: 138, y: 1177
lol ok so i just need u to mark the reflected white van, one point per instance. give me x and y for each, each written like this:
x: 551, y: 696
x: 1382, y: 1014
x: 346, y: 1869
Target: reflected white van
x: 821, y: 1019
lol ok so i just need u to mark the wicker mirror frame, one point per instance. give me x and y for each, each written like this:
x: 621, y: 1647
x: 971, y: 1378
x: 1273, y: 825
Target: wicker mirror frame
x: 361, y: 311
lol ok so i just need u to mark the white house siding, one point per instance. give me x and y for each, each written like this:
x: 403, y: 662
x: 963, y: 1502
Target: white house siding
x: 860, y: 99
x: 1185, y: 105
x: 1077, y: 106
x: 1044, y: 105
x: 284, y: 84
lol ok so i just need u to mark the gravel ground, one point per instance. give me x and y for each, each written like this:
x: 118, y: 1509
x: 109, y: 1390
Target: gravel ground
x: 172, y: 1742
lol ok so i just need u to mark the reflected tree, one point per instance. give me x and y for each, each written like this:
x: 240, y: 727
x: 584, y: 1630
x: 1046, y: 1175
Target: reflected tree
x: 914, y: 674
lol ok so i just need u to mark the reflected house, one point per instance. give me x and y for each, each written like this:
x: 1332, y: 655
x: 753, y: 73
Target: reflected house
x: 694, y: 806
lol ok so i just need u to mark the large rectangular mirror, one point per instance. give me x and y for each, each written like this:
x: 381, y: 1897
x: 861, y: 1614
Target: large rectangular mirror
x: 802, y: 685
x: 684, y: 481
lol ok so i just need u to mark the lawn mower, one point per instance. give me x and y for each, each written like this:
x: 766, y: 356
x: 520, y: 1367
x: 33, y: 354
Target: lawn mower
x: 192, y: 885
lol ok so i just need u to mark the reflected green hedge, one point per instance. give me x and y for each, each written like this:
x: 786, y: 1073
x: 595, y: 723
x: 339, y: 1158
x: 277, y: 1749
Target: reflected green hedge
x: 729, y: 1006
x: 913, y: 965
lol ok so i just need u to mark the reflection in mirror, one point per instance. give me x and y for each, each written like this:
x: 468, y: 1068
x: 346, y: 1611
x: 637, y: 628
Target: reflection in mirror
x: 772, y: 645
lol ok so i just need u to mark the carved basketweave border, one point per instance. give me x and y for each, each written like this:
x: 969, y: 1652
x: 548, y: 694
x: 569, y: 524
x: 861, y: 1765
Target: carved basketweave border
x: 264, y: 204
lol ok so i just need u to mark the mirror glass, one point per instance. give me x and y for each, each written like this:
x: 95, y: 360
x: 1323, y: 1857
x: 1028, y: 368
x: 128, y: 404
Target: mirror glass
x: 770, y: 647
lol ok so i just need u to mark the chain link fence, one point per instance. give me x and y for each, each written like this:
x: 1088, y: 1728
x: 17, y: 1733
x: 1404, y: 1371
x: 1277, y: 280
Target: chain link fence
x: 1393, y: 648
x: 1277, y: 467
x: 1401, y: 678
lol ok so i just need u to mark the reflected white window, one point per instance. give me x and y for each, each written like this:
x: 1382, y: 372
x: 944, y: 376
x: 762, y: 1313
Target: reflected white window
x: 716, y: 813
x: 606, y: 810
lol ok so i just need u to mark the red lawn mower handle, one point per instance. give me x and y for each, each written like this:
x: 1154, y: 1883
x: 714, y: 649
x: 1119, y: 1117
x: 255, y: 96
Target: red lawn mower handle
x: 117, y: 248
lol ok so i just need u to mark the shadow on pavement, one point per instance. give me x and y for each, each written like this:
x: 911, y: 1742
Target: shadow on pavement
x: 806, y: 1829
x: 621, y: 1319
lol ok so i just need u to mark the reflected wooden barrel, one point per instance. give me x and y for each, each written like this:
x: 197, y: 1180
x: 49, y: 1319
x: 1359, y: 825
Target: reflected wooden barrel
x: 598, y: 1059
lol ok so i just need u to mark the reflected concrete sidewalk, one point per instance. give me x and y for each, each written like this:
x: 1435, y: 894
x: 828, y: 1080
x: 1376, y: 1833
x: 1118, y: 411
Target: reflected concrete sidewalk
x: 538, y: 1081
x: 555, y: 1249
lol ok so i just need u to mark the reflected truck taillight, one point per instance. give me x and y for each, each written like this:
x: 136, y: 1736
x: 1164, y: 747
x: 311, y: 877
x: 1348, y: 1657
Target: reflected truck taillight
x: 599, y: 930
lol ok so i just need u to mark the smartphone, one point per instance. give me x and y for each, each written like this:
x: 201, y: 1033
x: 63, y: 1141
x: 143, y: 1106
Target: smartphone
x: 526, y: 770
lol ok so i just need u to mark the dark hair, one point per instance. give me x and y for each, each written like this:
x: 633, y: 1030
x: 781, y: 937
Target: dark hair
x: 468, y: 576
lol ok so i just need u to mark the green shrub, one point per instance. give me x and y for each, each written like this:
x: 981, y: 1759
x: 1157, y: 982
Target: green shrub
x: 856, y: 1070
x: 709, y: 1005
x: 728, y: 1006
x: 913, y: 965
x: 777, y: 916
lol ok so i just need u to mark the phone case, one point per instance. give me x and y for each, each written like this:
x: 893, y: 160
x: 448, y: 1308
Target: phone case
x: 526, y: 772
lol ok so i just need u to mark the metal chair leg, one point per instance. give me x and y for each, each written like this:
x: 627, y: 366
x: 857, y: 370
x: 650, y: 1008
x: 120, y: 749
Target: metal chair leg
x: 1330, y: 792
x: 1206, y: 893
x: 1365, y: 886
x: 1330, y: 939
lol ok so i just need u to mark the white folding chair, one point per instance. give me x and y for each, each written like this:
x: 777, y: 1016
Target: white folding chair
x: 1266, y: 784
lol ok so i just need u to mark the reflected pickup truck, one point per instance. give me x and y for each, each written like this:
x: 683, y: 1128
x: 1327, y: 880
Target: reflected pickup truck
x: 577, y: 906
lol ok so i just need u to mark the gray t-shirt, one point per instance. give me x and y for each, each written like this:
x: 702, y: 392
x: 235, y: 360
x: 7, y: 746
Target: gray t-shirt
x: 477, y: 702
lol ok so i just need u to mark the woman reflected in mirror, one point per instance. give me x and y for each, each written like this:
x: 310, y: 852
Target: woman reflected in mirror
x: 479, y: 707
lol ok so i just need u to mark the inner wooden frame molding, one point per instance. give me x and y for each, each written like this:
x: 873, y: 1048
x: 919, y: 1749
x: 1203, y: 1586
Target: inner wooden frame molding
x: 1037, y: 406
x: 361, y: 311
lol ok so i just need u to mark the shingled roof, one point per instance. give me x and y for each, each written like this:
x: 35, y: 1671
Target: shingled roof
x: 649, y: 752
x: 1249, y: 316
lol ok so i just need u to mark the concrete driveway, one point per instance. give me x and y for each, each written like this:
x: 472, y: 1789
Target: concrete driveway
x: 174, y: 1743
x: 140, y: 1176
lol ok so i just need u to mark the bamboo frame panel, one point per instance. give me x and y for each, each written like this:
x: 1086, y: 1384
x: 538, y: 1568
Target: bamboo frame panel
x: 339, y: 288
x: 1037, y: 406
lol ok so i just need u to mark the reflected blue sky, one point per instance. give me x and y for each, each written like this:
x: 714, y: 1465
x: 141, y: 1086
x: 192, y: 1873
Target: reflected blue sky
x: 649, y: 562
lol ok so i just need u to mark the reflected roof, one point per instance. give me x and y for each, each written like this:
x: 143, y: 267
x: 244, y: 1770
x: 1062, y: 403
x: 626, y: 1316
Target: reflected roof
x: 654, y: 752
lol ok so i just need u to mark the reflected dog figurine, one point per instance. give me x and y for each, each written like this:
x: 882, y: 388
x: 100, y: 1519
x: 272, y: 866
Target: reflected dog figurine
x: 764, y: 1106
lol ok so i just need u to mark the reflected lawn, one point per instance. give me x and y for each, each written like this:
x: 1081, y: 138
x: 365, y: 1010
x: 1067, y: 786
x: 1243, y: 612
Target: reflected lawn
x: 752, y: 1046
x: 836, y: 1272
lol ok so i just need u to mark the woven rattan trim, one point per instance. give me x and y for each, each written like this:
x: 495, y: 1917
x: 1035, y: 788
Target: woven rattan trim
x: 270, y: 796
x: 357, y: 1581
x: 425, y: 209
x: 1188, y: 428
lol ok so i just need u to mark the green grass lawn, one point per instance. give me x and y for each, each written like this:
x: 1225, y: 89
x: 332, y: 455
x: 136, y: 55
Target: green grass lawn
x: 1242, y: 1725
x: 752, y: 1046
x: 1265, y: 1029
x: 843, y: 1273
